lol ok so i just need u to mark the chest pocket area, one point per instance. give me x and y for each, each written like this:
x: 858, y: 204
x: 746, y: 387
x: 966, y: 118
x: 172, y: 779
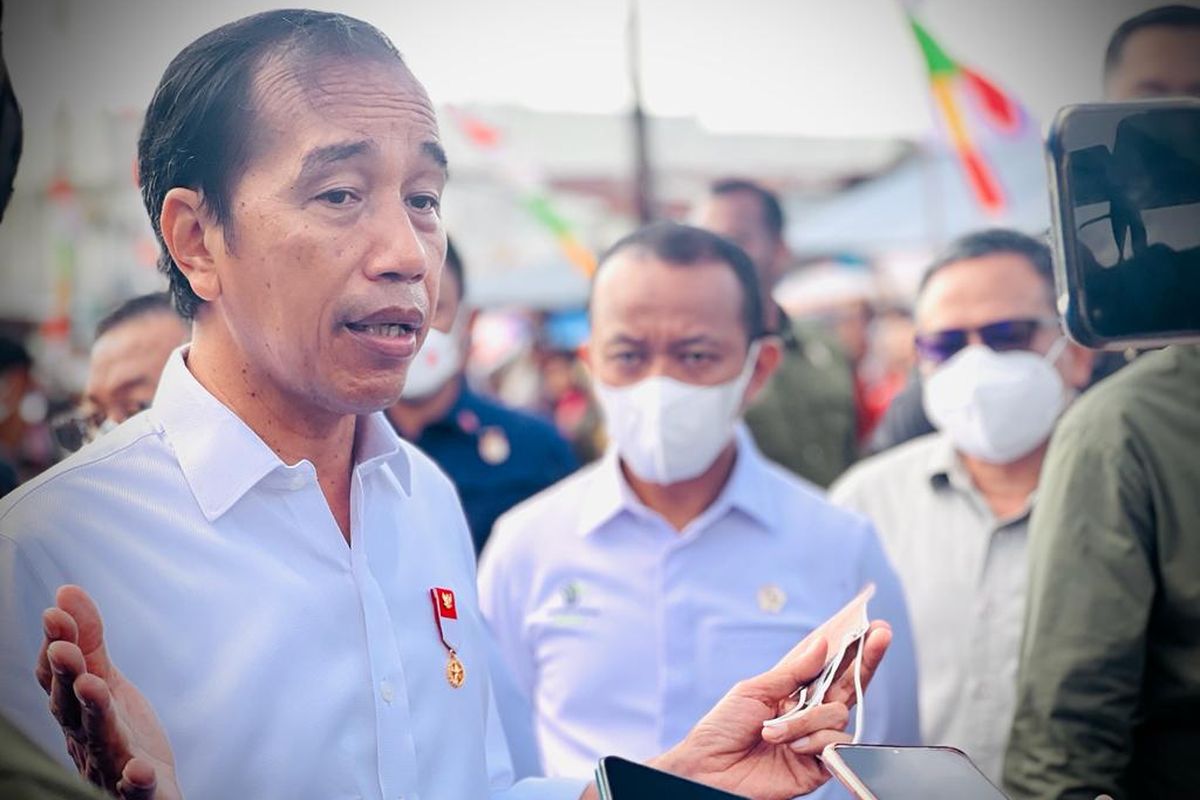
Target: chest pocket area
x: 733, y: 650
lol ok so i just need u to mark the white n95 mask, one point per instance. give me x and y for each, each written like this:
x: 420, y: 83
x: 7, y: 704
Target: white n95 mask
x: 436, y: 362
x: 667, y: 431
x: 996, y: 406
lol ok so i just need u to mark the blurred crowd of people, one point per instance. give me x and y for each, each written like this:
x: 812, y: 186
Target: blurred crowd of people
x: 668, y: 488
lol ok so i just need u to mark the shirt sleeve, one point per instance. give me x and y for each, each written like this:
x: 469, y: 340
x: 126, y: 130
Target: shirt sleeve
x: 890, y: 714
x: 1091, y: 587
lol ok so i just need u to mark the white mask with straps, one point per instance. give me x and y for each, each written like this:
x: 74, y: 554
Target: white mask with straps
x: 438, y: 360
x: 994, y: 406
x: 666, y: 430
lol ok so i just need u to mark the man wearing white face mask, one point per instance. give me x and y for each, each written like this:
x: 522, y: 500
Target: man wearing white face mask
x: 496, y: 456
x: 631, y: 594
x: 953, y: 507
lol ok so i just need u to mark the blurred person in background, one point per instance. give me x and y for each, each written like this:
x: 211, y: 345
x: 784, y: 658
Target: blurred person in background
x: 804, y: 418
x: 611, y: 594
x: 1154, y: 54
x: 132, y: 345
x: 839, y: 297
x: 565, y: 392
x: 495, y: 455
x: 952, y: 507
x: 25, y: 446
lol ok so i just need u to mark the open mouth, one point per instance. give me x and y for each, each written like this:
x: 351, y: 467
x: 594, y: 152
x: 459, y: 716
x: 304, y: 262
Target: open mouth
x: 389, y: 330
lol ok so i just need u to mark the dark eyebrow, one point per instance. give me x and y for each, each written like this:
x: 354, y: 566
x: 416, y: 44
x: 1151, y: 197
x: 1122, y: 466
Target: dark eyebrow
x: 329, y: 154
x: 435, y: 152
x: 624, y: 339
x: 691, y: 341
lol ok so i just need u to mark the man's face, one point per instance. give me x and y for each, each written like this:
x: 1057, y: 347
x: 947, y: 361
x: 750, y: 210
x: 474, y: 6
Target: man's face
x: 970, y: 294
x: 126, y: 363
x: 650, y: 319
x: 329, y: 276
x: 1158, y: 61
x: 738, y: 216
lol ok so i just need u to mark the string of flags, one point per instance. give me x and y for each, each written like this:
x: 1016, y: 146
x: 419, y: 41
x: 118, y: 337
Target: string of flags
x: 957, y: 91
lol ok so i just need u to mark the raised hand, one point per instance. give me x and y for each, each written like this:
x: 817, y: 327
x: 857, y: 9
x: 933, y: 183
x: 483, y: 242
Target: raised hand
x: 730, y: 749
x: 112, y: 733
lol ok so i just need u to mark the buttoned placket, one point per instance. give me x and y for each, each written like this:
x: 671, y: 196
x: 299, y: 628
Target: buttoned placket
x: 395, y: 749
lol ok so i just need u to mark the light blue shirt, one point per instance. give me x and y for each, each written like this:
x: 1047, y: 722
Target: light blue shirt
x: 623, y: 632
x: 283, y: 662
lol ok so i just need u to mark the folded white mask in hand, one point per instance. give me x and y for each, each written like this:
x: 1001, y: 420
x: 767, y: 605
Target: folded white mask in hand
x: 845, y: 629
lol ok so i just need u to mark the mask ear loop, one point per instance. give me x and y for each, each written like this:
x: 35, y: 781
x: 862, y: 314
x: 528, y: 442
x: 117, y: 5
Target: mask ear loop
x: 858, y: 691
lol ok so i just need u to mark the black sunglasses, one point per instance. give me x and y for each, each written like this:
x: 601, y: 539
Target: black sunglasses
x: 1005, y: 334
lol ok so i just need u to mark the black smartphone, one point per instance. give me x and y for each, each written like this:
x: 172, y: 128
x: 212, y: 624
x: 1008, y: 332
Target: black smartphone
x: 1125, y: 192
x: 886, y: 772
x: 619, y: 779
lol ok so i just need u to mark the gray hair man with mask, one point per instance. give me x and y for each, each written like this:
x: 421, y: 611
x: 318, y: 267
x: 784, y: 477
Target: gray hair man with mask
x: 953, y: 507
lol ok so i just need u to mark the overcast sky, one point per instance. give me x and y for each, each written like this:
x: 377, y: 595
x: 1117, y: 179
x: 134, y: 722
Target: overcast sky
x: 817, y: 67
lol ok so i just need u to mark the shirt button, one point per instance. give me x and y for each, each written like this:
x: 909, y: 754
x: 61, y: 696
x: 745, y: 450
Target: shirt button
x: 387, y: 692
x: 297, y: 482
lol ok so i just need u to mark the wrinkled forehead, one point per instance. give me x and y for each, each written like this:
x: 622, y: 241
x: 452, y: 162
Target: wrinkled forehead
x: 638, y: 294
x: 297, y: 102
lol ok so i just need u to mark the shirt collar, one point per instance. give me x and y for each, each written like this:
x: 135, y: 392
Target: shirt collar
x: 747, y: 490
x: 222, y: 458
x: 945, y: 470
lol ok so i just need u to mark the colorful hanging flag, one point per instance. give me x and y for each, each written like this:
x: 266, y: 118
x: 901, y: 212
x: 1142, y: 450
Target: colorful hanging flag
x: 952, y: 82
x: 530, y: 186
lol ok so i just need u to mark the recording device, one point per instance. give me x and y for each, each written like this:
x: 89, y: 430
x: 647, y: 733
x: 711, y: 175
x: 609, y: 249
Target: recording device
x: 619, y: 779
x: 1125, y: 196
x: 886, y: 772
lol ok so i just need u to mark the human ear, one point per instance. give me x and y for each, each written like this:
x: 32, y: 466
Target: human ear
x: 770, y: 353
x: 191, y: 237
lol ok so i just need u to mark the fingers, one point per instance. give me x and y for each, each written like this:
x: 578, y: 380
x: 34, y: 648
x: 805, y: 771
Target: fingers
x: 815, y: 744
x: 808, y: 724
x: 66, y: 664
x: 76, y: 602
x: 794, y: 670
x: 875, y: 645
x: 138, y: 781
x: 104, y: 738
x: 57, y: 626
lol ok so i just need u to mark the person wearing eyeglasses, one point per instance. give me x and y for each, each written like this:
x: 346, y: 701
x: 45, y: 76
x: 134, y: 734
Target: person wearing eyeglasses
x: 132, y: 345
x: 952, y: 507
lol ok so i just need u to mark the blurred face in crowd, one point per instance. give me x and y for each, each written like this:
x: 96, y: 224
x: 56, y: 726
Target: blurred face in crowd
x: 738, y: 216
x: 997, y: 287
x: 126, y: 363
x: 650, y: 318
x: 324, y: 284
x: 1157, y: 61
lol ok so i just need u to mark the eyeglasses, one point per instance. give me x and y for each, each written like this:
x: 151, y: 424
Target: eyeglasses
x: 1002, y: 335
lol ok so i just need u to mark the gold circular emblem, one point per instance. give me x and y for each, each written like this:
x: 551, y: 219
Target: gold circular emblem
x: 494, y: 447
x: 771, y: 598
x: 456, y: 673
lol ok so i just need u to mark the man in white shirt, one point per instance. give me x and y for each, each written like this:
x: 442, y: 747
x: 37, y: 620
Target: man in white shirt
x: 953, y: 507
x: 289, y: 584
x: 626, y: 597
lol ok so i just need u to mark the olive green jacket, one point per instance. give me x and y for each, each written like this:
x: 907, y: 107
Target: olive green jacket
x: 804, y: 418
x: 1108, y: 695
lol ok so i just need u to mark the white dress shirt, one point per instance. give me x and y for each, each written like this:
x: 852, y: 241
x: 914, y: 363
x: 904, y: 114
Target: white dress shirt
x: 624, y: 632
x: 283, y: 662
x: 964, y: 574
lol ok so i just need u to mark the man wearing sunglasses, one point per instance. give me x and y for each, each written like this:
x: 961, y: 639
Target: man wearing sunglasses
x: 953, y: 507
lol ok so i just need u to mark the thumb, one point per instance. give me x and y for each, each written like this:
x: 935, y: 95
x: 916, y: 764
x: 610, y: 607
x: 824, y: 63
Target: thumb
x: 794, y: 670
x: 81, y: 608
